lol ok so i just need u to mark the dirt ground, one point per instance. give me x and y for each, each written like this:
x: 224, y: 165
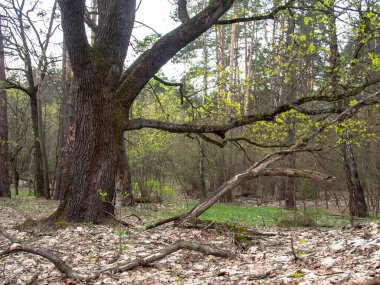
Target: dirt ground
x: 349, y: 255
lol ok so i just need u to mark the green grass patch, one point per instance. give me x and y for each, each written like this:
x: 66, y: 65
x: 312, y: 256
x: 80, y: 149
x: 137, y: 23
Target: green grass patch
x: 23, y: 193
x: 252, y: 216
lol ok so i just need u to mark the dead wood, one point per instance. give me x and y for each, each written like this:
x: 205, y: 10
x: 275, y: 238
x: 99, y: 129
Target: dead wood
x: 57, y: 261
x: 162, y: 222
x: 178, y: 245
x: 119, y: 267
x: 292, y: 248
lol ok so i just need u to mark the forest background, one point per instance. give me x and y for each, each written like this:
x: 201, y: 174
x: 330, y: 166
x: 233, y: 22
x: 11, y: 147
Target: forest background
x: 257, y: 80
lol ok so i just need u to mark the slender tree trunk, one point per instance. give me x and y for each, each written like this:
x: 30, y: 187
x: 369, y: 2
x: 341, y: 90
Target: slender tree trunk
x: 357, y: 203
x: 201, y: 169
x: 123, y: 179
x: 16, y: 176
x: 290, y: 94
x: 38, y: 168
x: 41, y: 136
x: 4, y: 153
x: 66, y: 114
x: 290, y: 187
x: 231, y: 86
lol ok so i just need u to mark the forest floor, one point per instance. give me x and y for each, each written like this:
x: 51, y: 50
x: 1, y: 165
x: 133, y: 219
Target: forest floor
x: 337, y: 255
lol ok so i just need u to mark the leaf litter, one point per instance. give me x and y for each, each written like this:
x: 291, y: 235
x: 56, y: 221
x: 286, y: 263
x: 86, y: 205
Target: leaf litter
x: 348, y: 255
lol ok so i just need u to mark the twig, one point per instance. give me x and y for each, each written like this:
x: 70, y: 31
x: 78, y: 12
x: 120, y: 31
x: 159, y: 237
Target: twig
x: 7, y: 235
x: 136, y: 216
x: 33, y: 280
x: 293, y: 250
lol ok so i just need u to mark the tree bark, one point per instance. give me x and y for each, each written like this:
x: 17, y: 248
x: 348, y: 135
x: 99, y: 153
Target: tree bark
x: 94, y: 155
x: 4, y: 153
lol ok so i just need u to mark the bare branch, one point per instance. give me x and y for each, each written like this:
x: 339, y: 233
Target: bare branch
x: 290, y: 172
x: 15, y: 85
x: 178, y: 245
x: 89, y: 21
x: 223, y: 143
x: 149, y: 27
x: 172, y: 84
x: 221, y: 130
x: 269, y: 16
x: 57, y: 261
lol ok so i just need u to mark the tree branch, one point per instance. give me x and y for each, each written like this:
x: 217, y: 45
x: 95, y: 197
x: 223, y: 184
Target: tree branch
x: 14, y: 85
x: 172, y: 84
x: 89, y: 21
x: 72, y: 14
x: 221, y: 130
x: 183, y: 15
x: 116, y: 20
x: 147, y: 65
x: 223, y: 143
x: 269, y: 16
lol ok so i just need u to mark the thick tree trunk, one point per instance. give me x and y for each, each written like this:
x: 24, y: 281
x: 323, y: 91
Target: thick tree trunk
x: 90, y: 195
x: 4, y: 155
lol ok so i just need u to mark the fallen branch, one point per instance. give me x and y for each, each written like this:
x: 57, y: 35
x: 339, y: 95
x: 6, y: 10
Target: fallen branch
x: 178, y: 245
x: 57, y: 261
x: 162, y: 222
x: 119, y: 267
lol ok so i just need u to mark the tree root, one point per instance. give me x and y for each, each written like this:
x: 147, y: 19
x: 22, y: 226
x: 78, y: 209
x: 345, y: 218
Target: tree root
x: 64, y: 268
